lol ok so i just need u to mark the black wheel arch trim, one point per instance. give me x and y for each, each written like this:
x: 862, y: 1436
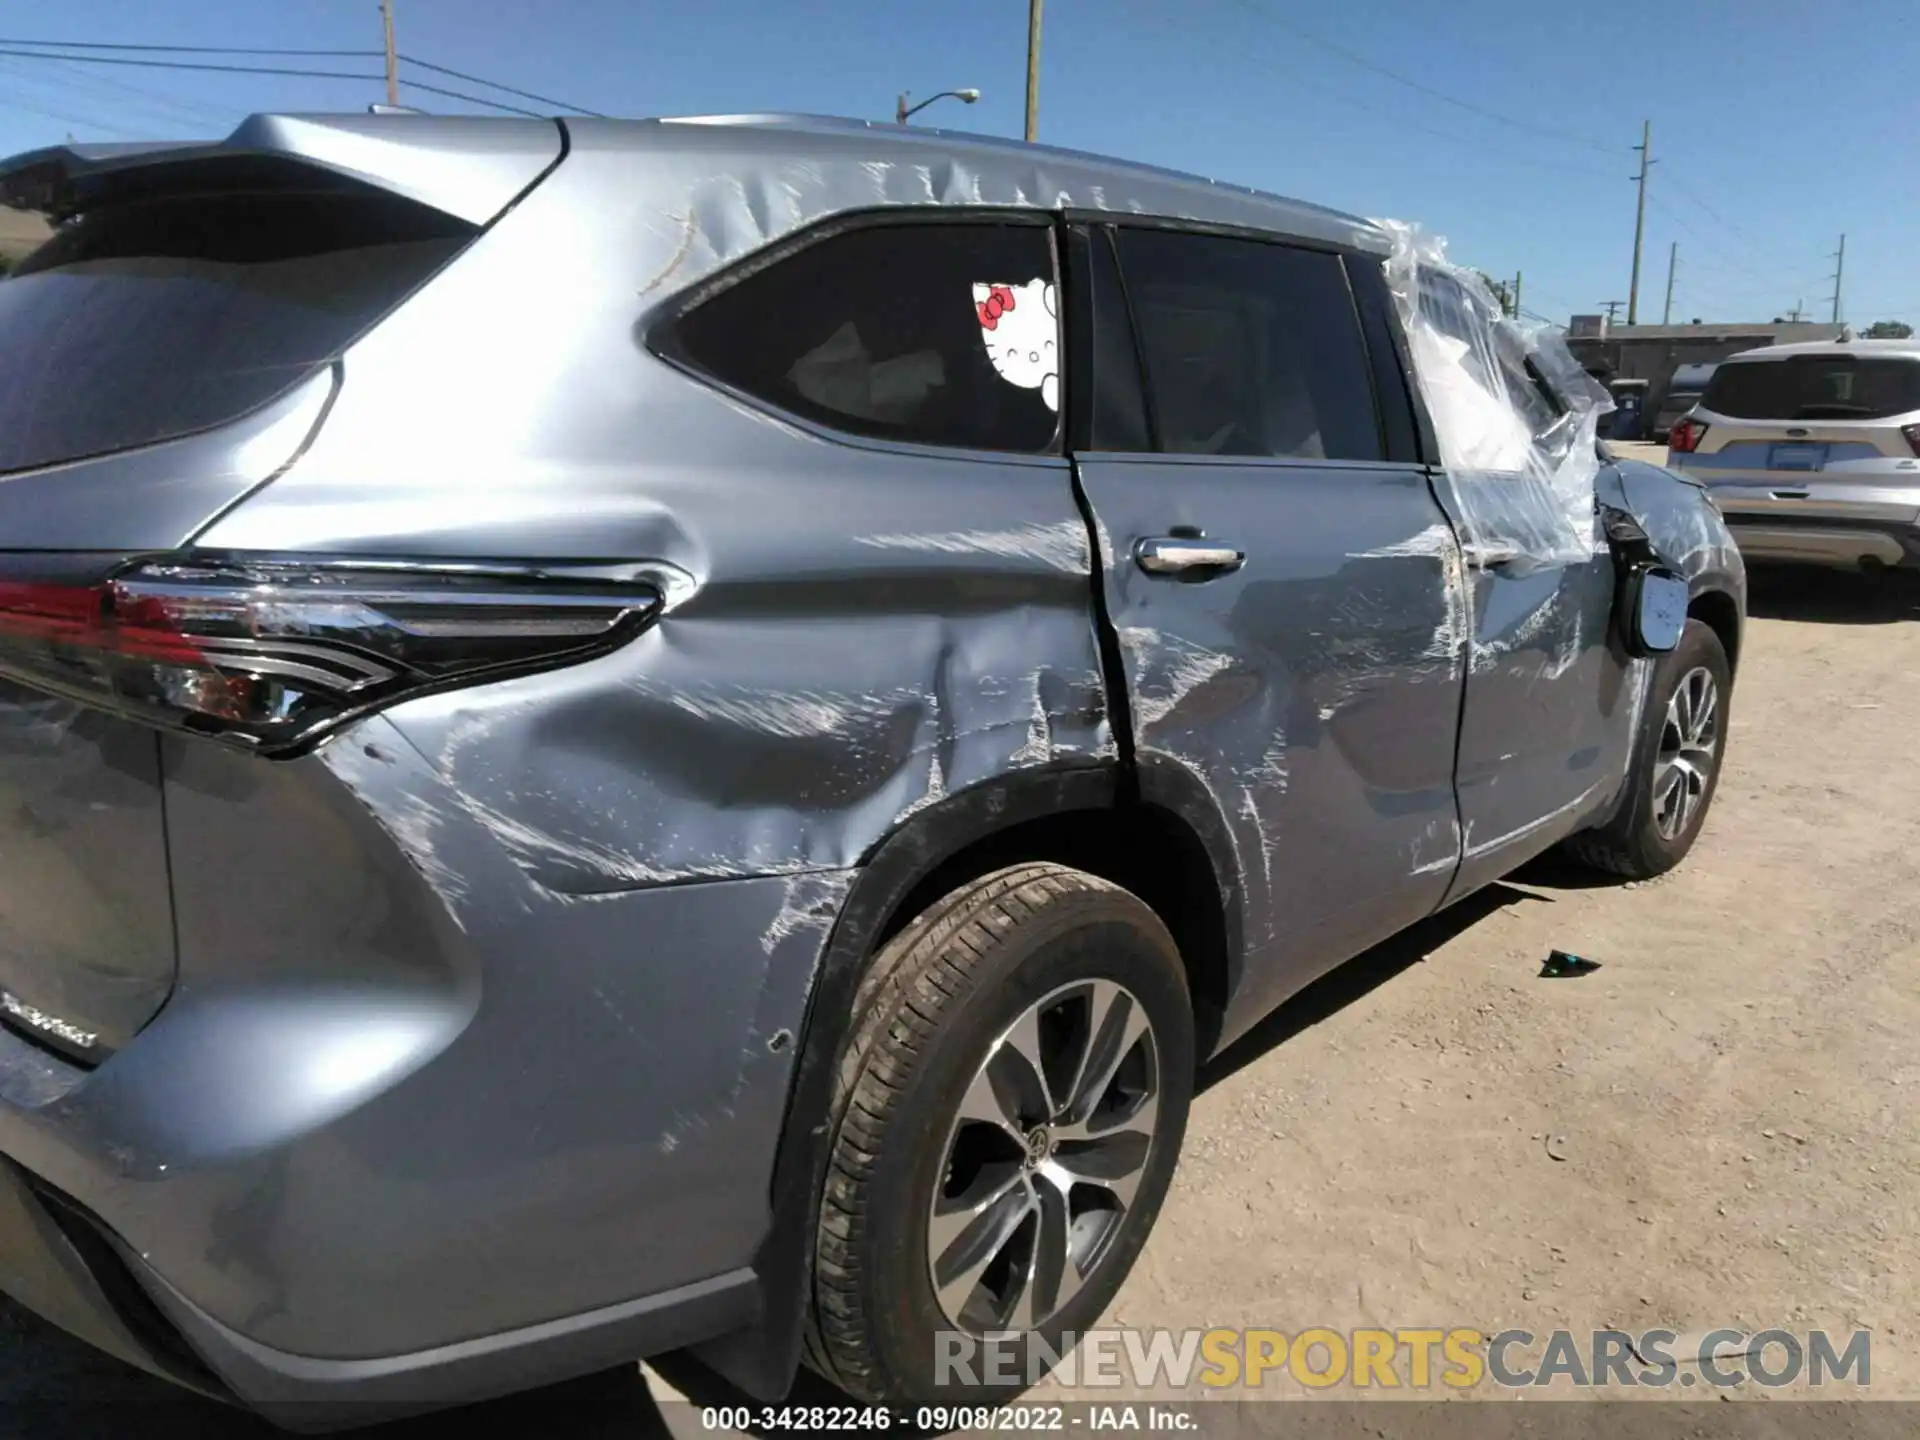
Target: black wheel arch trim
x: 763, y: 1358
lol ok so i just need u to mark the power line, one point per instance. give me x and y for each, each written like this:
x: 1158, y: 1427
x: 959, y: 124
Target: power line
x: 116, y: 92
x: 188, y: 65
x: 101, y: 59
x: 494, y: 85
x: 266, y: 70
x: 470, y: 99
x: 193, y: 49
x: 1422, y: 88
x: 1478, y: 146
x: 70, y: 118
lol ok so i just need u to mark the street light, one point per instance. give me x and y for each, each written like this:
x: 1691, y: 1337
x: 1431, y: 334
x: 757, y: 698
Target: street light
x: 901, y: 111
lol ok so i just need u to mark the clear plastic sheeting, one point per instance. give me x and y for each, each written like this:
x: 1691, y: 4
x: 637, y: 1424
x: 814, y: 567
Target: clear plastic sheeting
x: 1516, y: 417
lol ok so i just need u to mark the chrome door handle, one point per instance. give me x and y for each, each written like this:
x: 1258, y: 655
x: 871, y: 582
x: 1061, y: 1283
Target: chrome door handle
x: 1484, y: 556
x: 1174, y: 555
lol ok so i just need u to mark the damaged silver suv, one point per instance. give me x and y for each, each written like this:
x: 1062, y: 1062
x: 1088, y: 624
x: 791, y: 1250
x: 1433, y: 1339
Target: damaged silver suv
x: 633, y: 735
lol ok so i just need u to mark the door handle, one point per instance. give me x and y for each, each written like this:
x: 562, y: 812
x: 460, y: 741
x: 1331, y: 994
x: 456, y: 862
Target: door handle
x: 1176, y: 555
x: 1484, y: 555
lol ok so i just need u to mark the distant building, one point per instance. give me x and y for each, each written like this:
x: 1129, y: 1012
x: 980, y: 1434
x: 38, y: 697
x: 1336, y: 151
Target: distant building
x: 21, y: 231
x: 1653, y: 352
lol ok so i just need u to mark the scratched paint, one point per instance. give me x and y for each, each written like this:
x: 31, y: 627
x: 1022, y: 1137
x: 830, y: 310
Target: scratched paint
x: 1167, y: 670
x: 1063, y: 546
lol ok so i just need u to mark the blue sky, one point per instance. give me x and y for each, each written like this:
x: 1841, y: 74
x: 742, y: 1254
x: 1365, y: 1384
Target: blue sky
x: 1777, y: 124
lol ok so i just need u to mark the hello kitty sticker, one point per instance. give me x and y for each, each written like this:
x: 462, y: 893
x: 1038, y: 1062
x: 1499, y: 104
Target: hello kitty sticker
x: 1019, y: 327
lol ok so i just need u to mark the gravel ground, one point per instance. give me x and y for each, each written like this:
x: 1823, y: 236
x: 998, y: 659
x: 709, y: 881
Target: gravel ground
x: 1731, y: 1096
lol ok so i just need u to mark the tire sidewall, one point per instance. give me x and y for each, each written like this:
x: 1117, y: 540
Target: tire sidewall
x: 1092, y: 935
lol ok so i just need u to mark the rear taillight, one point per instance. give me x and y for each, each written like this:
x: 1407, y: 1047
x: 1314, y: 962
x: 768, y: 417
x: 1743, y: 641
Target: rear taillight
x: 269, y: 653
x: 1912, y: 432
x: 1685, y: 436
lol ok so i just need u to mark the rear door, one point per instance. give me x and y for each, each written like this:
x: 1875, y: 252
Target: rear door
x: 1285, y: 589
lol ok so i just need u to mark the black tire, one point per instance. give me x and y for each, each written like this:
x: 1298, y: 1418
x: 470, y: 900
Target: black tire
x: 939, y: 995
x: 1631, y: 844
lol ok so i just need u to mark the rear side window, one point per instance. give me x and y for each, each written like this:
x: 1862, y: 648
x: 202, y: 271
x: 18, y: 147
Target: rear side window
x: 1815, y: 387
x: 933, y: 334
x: 1251, y: 348
x: 152, y: 319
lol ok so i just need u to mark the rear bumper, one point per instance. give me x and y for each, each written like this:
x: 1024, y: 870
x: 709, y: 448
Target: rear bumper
x: 56, y: 1264
x: 414, y: 1129
x: 67, y: 1268
x: 1841, y: 543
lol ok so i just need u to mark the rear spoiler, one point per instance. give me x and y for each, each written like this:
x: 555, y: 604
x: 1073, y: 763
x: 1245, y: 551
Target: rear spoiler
x: 470, y: 167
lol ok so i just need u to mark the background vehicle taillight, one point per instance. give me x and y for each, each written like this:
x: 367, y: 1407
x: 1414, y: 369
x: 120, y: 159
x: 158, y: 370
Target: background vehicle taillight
x: 1685, y: 436
x: 1912, y: 432
x: 269, y: 654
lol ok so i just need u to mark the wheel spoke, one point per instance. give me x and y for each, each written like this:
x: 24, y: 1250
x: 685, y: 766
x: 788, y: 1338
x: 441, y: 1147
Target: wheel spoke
x: 987, y: 1103
x: 1693, y: 784
x: 1115, y: 1162
x: 953, y: 1216
x: 959, y: 1269
x: 1051, y: 1278
x: 1667, y: 784
x: 1699, y: 736
x: 1680, y: 712
x: 1116, y: 1024
x: 1022, y: 1062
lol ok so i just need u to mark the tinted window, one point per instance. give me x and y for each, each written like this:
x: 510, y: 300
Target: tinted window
x: 934, y: 334
x: 1251, y: 348
x: 1119, y: 403
x: 145, y: 321
x: 1814, y: 387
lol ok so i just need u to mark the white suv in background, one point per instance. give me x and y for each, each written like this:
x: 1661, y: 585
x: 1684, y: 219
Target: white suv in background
x: 1812, y: 452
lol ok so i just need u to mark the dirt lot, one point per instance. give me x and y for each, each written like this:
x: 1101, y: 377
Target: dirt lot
x: 1731, y: 1097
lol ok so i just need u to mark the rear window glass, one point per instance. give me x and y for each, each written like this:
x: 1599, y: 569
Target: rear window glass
x: 153, y: 319
x: 1815, y: 387
x: 933, y: 334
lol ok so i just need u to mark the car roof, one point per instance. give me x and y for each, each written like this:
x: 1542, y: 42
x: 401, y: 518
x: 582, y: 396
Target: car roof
x: 1860, y: 349
x: 473, y: 165
x: 1190, y: 196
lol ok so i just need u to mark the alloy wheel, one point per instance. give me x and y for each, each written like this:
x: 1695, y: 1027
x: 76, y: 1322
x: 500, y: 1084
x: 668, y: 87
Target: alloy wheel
x: 1044, y: 1157
x: 1689, y: 744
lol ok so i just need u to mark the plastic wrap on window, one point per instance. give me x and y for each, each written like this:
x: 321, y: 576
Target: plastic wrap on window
x: 1516, y: 417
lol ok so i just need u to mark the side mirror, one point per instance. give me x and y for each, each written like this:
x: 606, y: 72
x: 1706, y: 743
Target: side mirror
x: 1657, y: 613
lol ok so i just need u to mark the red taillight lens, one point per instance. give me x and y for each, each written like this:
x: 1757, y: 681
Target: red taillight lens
x: 1912, y: 432
x: 270, y: 654
x: 1685, y: 436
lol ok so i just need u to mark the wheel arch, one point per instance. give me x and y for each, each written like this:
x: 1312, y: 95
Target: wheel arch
x: 1720, y: 612
x: 1149, y: 831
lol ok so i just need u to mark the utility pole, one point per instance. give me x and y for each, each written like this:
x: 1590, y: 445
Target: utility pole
x: 1673, y: 261
x: 1610, y: 306
x: 1839, y: 270
x: 1516, y: 294
x: 393, y: 60
x: 1645, y: 147
x: 1796, y: 315
x: 1033, y: 70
